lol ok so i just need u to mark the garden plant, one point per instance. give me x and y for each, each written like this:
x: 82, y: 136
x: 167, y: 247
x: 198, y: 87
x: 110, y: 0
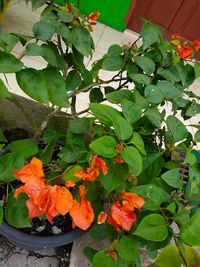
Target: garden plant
x: 129, y: 169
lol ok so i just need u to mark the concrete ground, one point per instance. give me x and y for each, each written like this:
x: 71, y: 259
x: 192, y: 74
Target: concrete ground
x: 20, y: 18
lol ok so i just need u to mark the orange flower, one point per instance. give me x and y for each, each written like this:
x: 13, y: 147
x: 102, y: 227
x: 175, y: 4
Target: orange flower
x: 82, y: 213
x: 175, y: 36
x: 122, y: 217
x: 70, y: 8
x: 91, y: 173
x: 29, y: 171
x: 184, y: 52
x: 98, y: 163
x: 93, y: 16
x: 131, y: 201
x: 69, y: 183
x: 102, y: 217
x: 196, y: 44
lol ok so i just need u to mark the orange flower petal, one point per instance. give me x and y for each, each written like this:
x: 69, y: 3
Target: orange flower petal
x: 64, y: 200
x: 82, y: 190
x: 185, y: 52
x: 102, y: 217
x: 175, y: 36
x: 124, y: 218
x: 34, y: 210
x: 112, y: 222
x: 132, y: 201
x: 99, y: 163
x: 69, y: 183
x: 94, y: 16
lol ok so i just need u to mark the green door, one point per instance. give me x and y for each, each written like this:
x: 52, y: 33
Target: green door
x: 113, y: 12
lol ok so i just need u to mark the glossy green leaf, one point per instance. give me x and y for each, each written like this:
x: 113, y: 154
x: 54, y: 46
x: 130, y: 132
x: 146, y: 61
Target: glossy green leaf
x: 101, y: 259
x: 131, y: 110
x: 145, y: 63
x: 190, y: 232
x: 81, y: 40
x: 197, y: 69
x: 31, y: 81
x: 150, y: 34
x: 153, y: 94
x: 56, y: 89
x: 113, y: 63
x: 173, y: 178
x: 122, y: 127
x: 25, y: 148
x: 177, y: 128
x: 69, y: 175
x: 4, y: 90
x: 103, y: 113
x: 43, y: 30
x: 169, y: 257
x: 140, y: 78
x: 16, y: 211
x: 9, y: 63
x: 171, y: 74
x: 168, y: 90
x: 116, y: 175
x: 52, y: 56
x: 96, y: 96
x: 137, y: 141
x: 119, y: 95
x: 99, y: 231
x: 79, y: 125
x: 33, y: 49
x: 154, y: 116
x: 140, y: 100
x: 127, y: 249
x: 153, y: 195
x: 133, y: 158
x: 115, y: 49
x: 153, y: 227
x: 197, y: 136
x: 73, y: 80
x: 8, y: 41
x: 193, y: 109
x: 65, y: 16
x: 104, y: 146
x: 89, y: 253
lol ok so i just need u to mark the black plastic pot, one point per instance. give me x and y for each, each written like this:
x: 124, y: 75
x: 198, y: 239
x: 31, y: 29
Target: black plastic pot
x: 35, y: 242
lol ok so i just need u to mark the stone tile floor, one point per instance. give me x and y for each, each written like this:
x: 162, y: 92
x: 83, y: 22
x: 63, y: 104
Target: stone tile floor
x: 20, y: 18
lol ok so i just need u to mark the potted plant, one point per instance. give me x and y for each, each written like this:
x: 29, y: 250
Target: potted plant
x: 127, y: 172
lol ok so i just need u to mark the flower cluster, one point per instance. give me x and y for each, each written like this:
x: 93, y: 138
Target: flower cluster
x: 52, y: 200
x: 185, y: 51
x: 122, y: 214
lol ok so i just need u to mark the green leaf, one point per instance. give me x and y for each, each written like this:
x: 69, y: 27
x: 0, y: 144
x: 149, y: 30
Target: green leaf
x: 57, y: 93
x: 1, y: 214
x: 89, y: 253
x: 52, y: 56
x: 2, y: 137
x: 9, y: 63
x: 168, y: 90
x: 190, y: 232
x: 197, y: 69
x: 154, y: 116
x: 73, y: 80
x: 72, y: 154
x: 81, y: 40
x: 16, y: 211
x: 145, y: 63
x: 99, y: 231
x: 103, y: 113
x: 137, y: 141
x: 25, y: 148
x: 177, y: 128
x: 43, y: 30
x: 197, y: 136
x: 96, y: 96
x: 69, y: 175
x: 140, y: 100
x: 169, y: 257
x: 31, y: 81
x: 113, y: 63
x: 153, y: 227
x: 116, y: 175
x: 193, y: 109
x: 171, y: 74
x: 153, y: 94
x: 173, y: 178
x: 8, y: 41
x: 104, y: 146
x: 115, y: 50
x: 4, y: 91
x: 153, y: 195
x: 79, y: 125
x: 122, y: 127
x: 8, y: 163
x: 119, y: 95
x: 101, y: 259
x: 127, y: 249
x: 150, y: 34
x: 140, y: 78
x: 33, y: 49
x: 65, y: 16
x: 133, y: 158
x: 63, y: 31
x: 131, y: 110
